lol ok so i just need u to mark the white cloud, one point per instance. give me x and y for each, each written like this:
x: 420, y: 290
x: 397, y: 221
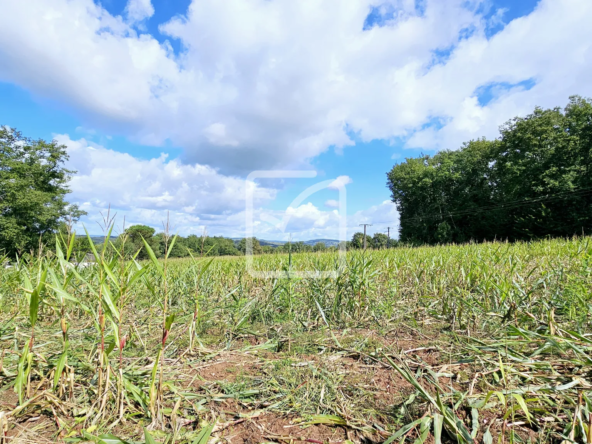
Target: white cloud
x: 340, y: 182
x: 138, y: 10
x: 309, y: 222
x: 332, y: 203
x: 380, y: 216
x: 262, y: 84
x: 143, y: 190
x: 216, y: 135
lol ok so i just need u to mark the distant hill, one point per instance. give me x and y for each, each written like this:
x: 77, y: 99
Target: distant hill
x: 274, y: 243
x: 262, y: 242
x: 96, y: 239
x: 327, y: 242
x: 277, y: 243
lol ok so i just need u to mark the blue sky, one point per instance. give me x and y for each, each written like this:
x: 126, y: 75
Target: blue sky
x: 168, y: 106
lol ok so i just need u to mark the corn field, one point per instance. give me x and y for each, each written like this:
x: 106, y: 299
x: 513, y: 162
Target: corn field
x: 464, y: 343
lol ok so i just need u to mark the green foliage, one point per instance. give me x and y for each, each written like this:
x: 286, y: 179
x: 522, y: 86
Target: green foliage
x: 491, y: 331
x: 380, y: 240
x: 357, y: 241
x: 256, y: 246
x: 33, y: 186
x: 319, y: 246
x: 534, y: 181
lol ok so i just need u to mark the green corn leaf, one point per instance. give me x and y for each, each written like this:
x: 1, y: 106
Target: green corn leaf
x: 327, y: 419
x: 137, y: 275
x: 63, y: 294
x: 110, y: 348
x: 475, y: 422
x: 59, y: 252
x: 108, y: 267
x: 21, y: 374
x: 152, y: 389
x: 115, y: 332
x: 57, y: 286
x: 111, y: 439
x: 153, y: 258
x: 36, y: 298
x: 71, y: 242
x: 148, y: 437
x: 169, y: 321
x: 92, y: 246
x: 522, y: 405
x: 60, y: 367
x: 204, y: 435
x: 108, y: 300
x: 170, y: 248
x: 501, y: 397
x: 438, y: 428
x: 403, y: 430
x: 136, y: 393
x: 464, y: 433
x: 424, y: 430
x: 204, y: 268
x: 107, y: 238
x: 414, y: 382
x: 27, y: 286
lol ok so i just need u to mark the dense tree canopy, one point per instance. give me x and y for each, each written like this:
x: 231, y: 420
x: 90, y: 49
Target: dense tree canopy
x: 319, y: 246
x: 534, y: 181
x: 380, y: 240
x: 357, y: 241
x: 33, y: 186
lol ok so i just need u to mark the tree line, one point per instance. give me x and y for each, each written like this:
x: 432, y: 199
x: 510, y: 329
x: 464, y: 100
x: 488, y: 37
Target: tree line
x: 131, y: 244
x: 534, y: 180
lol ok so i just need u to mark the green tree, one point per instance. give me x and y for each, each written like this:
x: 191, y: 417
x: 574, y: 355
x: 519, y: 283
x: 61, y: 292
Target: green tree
x: 136, y: 233
x: 544, y: 172
x: 393, y: 243
x: 33, y: 187
x: 133, y: 241
x: 242, y: 246
x: 431, y: 190
x: 319, y: 246
x: 226, y: 247
x: 357, y: 241
x: 534, y: 181
x: 379, y: 240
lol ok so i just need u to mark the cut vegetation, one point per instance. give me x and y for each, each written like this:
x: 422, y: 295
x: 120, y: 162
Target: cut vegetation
x: 475, y: 343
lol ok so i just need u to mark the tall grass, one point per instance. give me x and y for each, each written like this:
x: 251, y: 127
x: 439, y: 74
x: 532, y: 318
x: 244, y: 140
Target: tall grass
x: 518, y: 315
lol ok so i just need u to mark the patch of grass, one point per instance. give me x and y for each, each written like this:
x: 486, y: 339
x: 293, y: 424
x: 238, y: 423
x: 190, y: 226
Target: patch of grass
x: 458, y: 343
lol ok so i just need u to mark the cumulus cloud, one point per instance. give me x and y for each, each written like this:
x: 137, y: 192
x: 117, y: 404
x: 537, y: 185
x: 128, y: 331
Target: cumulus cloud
x: 263, y: 84
x: 380, y: 216
x: 307, y: 221
x: 260, y: 84
x: 340, y: 182
x: 142, y: 189
x: 138, y: 10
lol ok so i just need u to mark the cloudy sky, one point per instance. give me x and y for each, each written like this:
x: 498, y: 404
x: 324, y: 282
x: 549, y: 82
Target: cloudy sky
x: 170, y: 105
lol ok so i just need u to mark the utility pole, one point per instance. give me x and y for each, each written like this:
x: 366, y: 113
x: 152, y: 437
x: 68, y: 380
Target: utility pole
x: 388, y: 242
x: 365, y: 225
